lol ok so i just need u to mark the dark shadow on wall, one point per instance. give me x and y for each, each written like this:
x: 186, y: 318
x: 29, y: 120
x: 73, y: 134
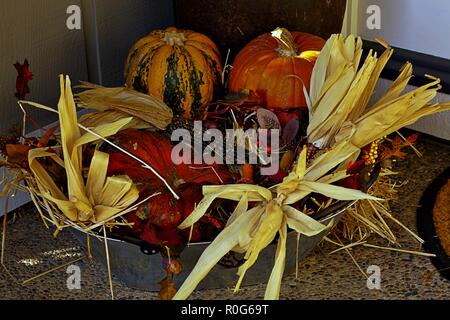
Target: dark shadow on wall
x: 233, y: 23
x: 119, y: 25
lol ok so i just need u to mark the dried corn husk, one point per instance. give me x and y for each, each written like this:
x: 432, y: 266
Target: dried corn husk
x: 339, y: 96
x: 391, y: 116
x: 333, y: 123
x: 101, y: 197
x: 95, y: 119
x: 370, y: 87
x: 128, y: 102
x: 250, y: 231
x: 399, y: 85
x: 332, y: 77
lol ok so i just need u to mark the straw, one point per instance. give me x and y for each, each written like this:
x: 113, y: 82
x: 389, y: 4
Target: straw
x: 5, y: 218
x: 105, y: 239
x: 50, y: 271
x: 424, y: 254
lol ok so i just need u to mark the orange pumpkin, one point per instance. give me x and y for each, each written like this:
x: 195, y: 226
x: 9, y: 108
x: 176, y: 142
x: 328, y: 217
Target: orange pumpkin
x: 181, y: 67
x: 275, y: 66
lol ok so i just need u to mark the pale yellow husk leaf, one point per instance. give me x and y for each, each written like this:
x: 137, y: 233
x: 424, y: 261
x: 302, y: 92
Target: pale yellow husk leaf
x: 94, y: 119
x: 101, y: 197
x: 340, y: 111
x: 250, y: 231
x: 332, y: 77
x: 144, y: 107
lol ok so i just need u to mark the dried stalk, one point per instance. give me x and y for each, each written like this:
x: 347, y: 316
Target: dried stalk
x: 424, y: 254
x: 51, y: 270
x: 5, y: 222
x: 105, y: 239
x: 129, y: 102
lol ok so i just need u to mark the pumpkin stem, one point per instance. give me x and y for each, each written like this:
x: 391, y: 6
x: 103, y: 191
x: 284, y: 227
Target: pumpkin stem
x: 286, y: 43
x: 174, y: 38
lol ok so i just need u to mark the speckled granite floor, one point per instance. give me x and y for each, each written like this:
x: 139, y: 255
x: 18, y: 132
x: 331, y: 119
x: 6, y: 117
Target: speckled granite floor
x: 31, y: 249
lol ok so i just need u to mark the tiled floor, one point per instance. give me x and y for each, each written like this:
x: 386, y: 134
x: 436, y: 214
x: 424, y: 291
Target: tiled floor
x: 31, y: 250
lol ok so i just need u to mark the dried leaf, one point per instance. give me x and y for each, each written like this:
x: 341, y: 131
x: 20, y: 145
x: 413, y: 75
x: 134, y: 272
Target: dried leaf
x: 320, y: 70
x: 274, y: 283
x: 43, y: 141
x: 398, y: 86
x: 267, y: 119
x: 167, y: 291
x: 290, y: 131
x: 368, y: 92
x: 17, y: 152
x: 24, y: 75
x: 227, y: 239
x: 270, y: 222
x: 397, y: 144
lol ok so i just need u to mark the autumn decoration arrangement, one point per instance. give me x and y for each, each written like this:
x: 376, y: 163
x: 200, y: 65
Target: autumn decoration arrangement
x: 111, y: 170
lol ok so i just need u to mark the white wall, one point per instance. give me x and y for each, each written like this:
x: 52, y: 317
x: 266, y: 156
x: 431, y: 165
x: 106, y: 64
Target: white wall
x: 416, y: 25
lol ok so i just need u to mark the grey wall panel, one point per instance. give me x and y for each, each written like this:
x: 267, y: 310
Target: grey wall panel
x: 122, y: 22
x: 37, y: 30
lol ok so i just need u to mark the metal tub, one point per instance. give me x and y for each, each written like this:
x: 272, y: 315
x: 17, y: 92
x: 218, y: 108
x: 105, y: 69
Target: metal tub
x: 143, y: 271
